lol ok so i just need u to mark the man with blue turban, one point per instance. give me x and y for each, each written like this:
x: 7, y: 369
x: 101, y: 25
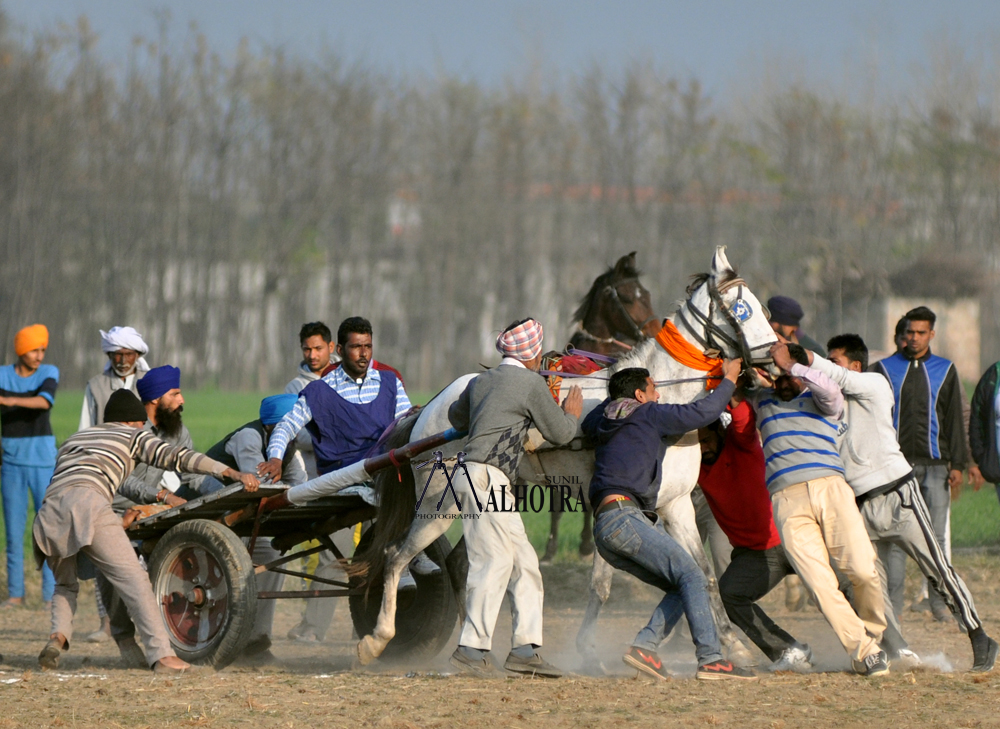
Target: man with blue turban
x: 247, y: 446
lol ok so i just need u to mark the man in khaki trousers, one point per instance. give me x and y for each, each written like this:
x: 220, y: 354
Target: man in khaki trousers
x: 801, y: 423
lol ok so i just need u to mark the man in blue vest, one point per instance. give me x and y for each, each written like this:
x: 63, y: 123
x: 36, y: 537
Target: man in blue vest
x: 346, y: 411
x: 929, y: 426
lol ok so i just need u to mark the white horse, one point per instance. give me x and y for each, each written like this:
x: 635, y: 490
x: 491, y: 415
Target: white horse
x: 720, y: 315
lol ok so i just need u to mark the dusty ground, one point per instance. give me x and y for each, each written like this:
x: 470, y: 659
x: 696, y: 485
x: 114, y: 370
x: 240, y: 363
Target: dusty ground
x: 315, y: 685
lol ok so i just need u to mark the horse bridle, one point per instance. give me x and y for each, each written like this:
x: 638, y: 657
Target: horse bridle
x: 637, y: 334
x: 716, y: 335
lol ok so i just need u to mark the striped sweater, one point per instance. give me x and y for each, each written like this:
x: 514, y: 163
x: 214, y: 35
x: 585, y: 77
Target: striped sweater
x: 801, y: 437
x: 103, y: 456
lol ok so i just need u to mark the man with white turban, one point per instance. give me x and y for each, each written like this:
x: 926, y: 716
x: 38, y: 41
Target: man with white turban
x: 497, y: 408
x: 126, y: 365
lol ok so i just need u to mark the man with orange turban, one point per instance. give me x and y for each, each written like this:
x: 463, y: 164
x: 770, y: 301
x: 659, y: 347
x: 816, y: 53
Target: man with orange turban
x: 27, y: 393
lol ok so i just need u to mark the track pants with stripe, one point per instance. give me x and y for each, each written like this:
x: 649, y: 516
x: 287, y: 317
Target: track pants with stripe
x: 902, y: 518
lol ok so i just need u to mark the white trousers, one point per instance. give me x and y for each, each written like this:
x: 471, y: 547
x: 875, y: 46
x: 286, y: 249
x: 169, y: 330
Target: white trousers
x: 501, y: 560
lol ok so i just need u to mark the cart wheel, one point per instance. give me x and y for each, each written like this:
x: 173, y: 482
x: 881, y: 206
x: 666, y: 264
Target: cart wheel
x: 206, y: 589
x: 425, y: 617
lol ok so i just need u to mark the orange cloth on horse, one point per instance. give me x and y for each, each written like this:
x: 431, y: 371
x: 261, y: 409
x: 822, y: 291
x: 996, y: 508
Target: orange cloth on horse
x: 670, y: 338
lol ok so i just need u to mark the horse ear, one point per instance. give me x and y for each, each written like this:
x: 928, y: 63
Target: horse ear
x: 720, y: 263
x: 625, y: 263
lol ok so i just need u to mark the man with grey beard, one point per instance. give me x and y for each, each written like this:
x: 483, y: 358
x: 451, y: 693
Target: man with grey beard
x: 126, y: 352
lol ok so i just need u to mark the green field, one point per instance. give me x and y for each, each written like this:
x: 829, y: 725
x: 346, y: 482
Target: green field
x: 211, y: 414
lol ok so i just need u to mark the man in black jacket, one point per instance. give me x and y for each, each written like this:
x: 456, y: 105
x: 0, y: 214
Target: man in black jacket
x: 984, y: 425
x: 930, y: 428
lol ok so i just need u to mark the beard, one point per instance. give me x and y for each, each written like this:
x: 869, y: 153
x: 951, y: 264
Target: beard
x: 168, y: 422
x: 123, y: 370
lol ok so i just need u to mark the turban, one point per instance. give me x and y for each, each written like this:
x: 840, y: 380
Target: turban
x: 124, y: 338
x: 522, y: 341
x: 124, y: 407
x: 274, y: 408
x: 29, y: 338
x: 785, y: 310
x: 158, y: 381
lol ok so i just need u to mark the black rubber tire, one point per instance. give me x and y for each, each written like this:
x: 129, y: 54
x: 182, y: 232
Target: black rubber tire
x: 236, y: 567
x: 425, y: 617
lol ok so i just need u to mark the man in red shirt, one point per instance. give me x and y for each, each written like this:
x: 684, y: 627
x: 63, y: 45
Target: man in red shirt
x: 732, y: 478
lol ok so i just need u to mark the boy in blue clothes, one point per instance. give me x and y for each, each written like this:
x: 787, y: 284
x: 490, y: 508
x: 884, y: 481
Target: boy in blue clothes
x: 27, y: 393
x: 631, y: 432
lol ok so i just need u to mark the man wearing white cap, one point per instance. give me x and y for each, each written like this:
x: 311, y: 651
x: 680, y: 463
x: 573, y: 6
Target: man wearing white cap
x: 126, y: 364
x: 496, y: 409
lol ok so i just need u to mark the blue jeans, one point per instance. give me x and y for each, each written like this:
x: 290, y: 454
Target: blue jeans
x: 628, y: 542
x: 16, y: 482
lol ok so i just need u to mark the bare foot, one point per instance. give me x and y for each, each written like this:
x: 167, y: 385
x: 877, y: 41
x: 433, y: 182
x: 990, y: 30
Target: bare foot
x: 171, y: 664
x: 12, y: 602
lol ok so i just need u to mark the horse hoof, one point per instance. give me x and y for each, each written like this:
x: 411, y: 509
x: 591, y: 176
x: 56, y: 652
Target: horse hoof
x: 366, y: 650
x: 742, y: 657
x: 586, y: 549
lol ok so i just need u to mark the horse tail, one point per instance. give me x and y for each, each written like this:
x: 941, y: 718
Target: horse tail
x: 397, y: 499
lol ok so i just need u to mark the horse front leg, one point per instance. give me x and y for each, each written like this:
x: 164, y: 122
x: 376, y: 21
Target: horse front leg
x: 422, y: 533
x: 679, y: 519
x: 600, y: 589
x: 552, y: 545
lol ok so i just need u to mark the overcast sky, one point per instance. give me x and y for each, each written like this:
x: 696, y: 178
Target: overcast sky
x: 717, y: 41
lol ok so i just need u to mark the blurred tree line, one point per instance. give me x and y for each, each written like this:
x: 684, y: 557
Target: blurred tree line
x: 217, y: 204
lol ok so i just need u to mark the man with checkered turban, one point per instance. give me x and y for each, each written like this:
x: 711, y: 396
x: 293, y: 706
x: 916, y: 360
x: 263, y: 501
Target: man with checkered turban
x: 497, y: 408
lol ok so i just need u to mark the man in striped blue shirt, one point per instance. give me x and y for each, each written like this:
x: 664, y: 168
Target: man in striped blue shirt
x: 801, y: 423
x: 346, y: 411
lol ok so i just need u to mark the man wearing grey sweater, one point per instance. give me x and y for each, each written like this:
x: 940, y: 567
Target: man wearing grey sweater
x: 886, y: 489
x: 497, y: 408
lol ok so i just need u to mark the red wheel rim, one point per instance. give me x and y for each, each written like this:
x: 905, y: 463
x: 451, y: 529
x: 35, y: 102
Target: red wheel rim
x: 193, y: 595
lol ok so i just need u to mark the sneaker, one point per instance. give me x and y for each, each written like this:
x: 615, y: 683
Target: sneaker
x: 984, y: 663
x: 794, y: 659
x: 921, y: 606
x: 721, y: 670
x: 48, y: 659
x: 534, y: 666
x: 877, y: 664
x: 424, y: 565
x: 647, y: 662
x: 131, y: 653
x: 309, y: 638
x: 483, y: 668
x: 907, y: 658
x: 406, y: 581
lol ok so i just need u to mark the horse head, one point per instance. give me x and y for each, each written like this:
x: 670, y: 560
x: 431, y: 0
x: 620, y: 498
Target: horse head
x: 723, y: 314
x: 617, y: 312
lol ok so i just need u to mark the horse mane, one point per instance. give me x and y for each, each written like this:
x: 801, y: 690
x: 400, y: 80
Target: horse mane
x: 636, y: 357
x: 700, y: 278
x: 606, y: 278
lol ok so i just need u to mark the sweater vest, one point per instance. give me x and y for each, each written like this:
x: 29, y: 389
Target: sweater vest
x: 343, y: 432
x: 800, y: 443
x: 219, y: 453
x: 102, y: 386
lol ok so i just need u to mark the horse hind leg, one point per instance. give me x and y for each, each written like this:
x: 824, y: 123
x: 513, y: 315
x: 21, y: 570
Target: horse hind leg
x: 422, y: 533
x: 600, y: 590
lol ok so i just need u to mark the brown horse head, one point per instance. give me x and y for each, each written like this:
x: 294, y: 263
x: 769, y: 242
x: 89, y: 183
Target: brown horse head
x: 616, y: 313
